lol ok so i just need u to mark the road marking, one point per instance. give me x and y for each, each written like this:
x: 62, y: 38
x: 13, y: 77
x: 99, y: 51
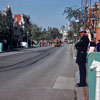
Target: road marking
x: 64, y: 83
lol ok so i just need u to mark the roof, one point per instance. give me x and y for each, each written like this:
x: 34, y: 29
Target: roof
x: 18, y: 18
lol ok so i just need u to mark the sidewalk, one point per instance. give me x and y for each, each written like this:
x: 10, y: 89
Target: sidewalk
x: 81, y: 92
x: 11, y: 52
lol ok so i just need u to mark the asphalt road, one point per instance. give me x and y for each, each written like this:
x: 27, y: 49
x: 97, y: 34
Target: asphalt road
x: 50, y: 77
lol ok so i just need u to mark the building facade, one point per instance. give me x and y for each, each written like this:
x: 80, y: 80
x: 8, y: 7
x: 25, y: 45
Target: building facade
x: 20, y: 23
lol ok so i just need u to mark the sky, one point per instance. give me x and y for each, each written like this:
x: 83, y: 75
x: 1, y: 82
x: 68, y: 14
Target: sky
x: 44, y: 13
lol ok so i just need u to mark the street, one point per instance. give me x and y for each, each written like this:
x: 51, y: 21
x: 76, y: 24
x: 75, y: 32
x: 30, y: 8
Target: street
x: 38, y: 75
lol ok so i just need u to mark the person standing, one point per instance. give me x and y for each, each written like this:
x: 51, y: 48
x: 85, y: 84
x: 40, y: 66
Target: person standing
x: 82, y: 47
x: 98, y: 46
x: 92, y: 46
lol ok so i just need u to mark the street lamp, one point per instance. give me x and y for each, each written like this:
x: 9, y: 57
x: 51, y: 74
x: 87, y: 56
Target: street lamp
x: 75, y: 37
x: 27, y: 36
x: 79, y: 23
x: 27, y: 39
x: 85, y: 15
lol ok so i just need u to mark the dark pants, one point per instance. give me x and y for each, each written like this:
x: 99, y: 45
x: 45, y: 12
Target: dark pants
x: 82, y: 72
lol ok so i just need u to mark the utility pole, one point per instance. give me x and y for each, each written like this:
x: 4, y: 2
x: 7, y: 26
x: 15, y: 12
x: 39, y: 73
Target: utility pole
x: 81, y: 4
x: 98, y: 27
x: 90, y: 3
x: 27, y: 39
x: 84, y: 7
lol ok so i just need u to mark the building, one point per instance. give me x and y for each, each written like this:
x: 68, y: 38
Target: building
x: 21, y: 22
x: 16, y: 26
x: 22, y: 19
x: 64, y: 32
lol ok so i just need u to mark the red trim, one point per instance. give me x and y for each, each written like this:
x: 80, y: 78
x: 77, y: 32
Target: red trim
x: 85, y: 93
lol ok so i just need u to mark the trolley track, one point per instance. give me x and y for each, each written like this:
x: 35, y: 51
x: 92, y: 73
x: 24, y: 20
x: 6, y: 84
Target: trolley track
x: 27, y: 62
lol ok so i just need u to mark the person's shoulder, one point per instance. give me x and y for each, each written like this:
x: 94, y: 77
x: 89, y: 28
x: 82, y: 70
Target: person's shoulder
x: 98, y: 43
x: 83, y: 37
x: 86, y: 38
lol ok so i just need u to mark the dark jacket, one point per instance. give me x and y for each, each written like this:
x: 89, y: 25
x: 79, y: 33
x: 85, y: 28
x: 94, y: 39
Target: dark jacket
x: 98, y: 47
x: 81, y: 47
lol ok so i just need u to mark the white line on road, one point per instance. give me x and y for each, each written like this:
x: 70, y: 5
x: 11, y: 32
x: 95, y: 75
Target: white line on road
x: 64, y: 83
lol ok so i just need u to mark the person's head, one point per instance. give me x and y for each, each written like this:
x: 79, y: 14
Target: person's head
x: 98, y: 40
x: 82, y: 33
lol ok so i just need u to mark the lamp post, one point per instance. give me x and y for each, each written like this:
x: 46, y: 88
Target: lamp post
x: 78, y: 24
x: 75, y: 37
x: 85, y: 15
x: 27, y: 39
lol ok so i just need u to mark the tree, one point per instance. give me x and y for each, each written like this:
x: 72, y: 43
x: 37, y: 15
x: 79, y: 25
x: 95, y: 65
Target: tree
x: 9, y: 24
x: 4, y: 28
x: 55, y: 33
x: 72, y: 16
x: 44, y: 34
x: 36, y: 32
x: 70, y: 35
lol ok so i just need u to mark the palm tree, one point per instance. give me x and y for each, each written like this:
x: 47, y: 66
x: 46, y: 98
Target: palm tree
x: 73, y: 13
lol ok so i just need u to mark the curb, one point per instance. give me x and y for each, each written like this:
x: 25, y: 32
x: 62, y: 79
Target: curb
x: 81, y: 92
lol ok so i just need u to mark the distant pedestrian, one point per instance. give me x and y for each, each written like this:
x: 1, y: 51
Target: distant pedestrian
x: 98, y: 46
x: 5, y: 44
x: 81, y: 47
x: 92, y: 46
